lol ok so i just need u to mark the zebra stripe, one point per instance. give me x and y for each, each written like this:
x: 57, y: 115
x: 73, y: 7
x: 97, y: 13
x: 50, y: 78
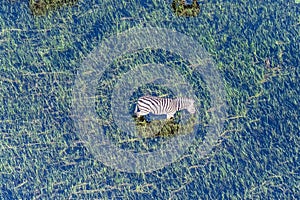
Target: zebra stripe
x: 159, y: 106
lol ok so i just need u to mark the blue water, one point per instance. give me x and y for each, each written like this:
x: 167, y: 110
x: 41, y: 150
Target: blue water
x: 44, y: 157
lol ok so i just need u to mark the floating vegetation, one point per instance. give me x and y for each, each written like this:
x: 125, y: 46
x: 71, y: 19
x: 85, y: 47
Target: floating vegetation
x: 181, y: 8
x: 42, y: 7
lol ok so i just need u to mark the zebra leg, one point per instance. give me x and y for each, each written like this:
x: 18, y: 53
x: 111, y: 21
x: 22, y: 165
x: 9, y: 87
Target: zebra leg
x: 170, y: 115
x: 138, y: 114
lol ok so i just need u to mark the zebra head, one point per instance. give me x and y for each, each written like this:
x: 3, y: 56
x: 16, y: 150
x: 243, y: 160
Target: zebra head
x: 191, y: 108
x: 186, y: 103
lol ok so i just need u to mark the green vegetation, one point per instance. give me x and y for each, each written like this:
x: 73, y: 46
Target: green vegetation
x: 180, y: 8
x: 41, y: 7
x: 255, y: 45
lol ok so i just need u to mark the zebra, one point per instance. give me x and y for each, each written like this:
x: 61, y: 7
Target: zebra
x: 159, y: 106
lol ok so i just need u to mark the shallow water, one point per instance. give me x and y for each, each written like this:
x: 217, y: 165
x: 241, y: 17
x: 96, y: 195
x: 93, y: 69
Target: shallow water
x: 70, y: 79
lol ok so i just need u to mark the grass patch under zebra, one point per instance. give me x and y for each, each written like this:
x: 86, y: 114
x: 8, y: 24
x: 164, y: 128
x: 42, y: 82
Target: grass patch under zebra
x: 164, y: 127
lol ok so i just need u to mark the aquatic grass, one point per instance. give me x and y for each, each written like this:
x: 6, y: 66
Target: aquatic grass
x: 256, y: 158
